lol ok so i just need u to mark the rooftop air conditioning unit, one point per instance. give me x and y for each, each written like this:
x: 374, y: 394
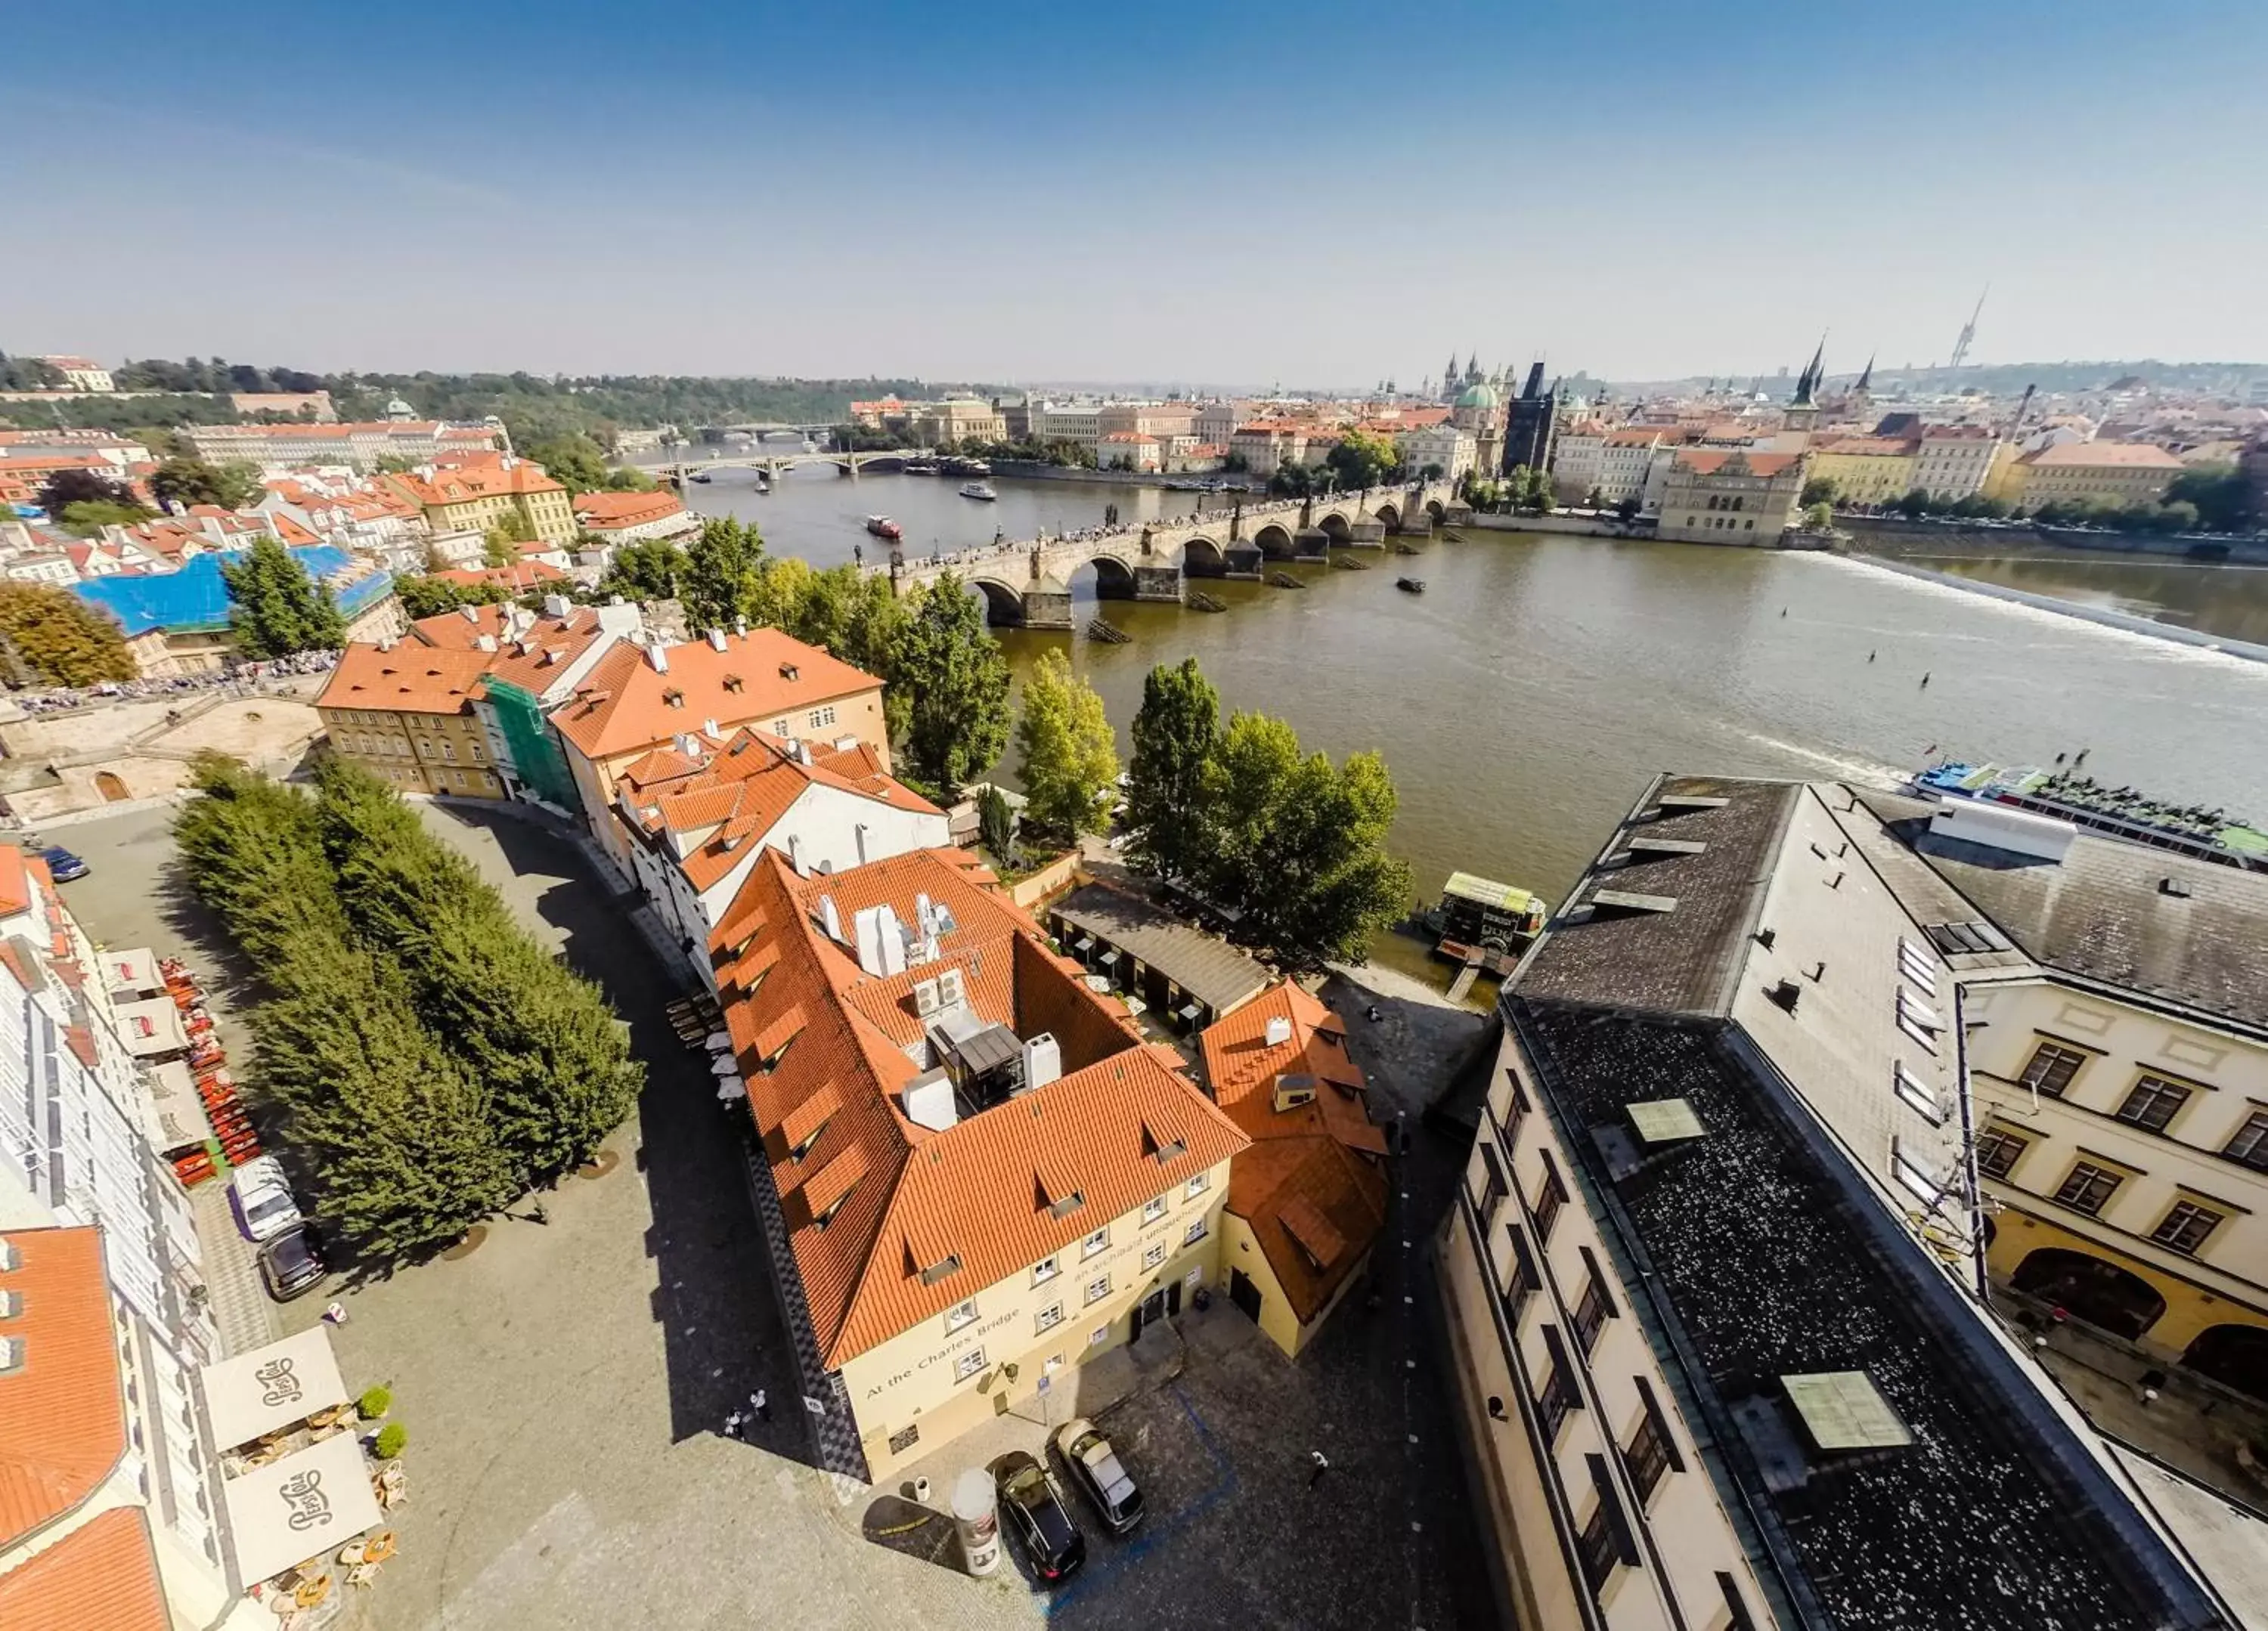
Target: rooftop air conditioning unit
x: 1280, y: 1030
x: 926, y: 998
x: 952, y: 991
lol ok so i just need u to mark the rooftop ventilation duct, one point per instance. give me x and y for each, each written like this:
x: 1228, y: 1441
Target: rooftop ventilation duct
x: 716, y: 639
x: 1787, y: 994
x: 929, y: 1101
x: 1280, y: 1030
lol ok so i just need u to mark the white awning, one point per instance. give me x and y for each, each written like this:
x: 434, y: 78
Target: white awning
x: 301, y: 1506
x: 151, y: 1027
x: 270, y: 1387
x: 131, y: 972
x: 177, y: 1115
x: 725, y: 1064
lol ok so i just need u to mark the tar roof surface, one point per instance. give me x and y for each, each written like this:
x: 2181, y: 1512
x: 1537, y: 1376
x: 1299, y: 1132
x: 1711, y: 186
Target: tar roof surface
x: 1679, y: 961
x: 2101, y: 913
x: 1212, y: 971
x: 1758, y: 1256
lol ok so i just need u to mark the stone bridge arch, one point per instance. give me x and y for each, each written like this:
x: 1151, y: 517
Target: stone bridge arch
x: 1114, y: 577
x: 1436, y: 511
x: 1202, y: 556
x: 1335, y: 522
x: 1274, y: 540
x: 1388, y: 513
x: 1004, y: 603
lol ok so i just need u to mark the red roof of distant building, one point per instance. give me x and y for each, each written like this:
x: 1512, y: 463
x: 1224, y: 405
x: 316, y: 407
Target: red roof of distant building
x: 604, y: 512
x: 1705, y: 461
x: 519, y: 576
x: 625, y: 704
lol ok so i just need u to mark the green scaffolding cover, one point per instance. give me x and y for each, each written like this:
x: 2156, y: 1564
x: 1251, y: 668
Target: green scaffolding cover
x: 542, y: 767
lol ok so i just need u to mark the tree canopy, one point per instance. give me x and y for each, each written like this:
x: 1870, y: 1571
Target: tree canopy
x: 1069, y: 758
x: 280, y: 611
x: 52, y: 638
x: 651, y: 569
x: 432, y: 596
x: 1361, y: 460
x: 956, y: 683
x: 66, y: 487
x: 723, y: 574
x: 187, y: 481
x: 577, y: 460
x: 1176, y: 734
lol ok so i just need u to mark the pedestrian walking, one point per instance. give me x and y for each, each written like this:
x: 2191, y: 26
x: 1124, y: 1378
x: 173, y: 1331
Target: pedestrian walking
x: 763, y: 1407
x: 1322, y: 1465
x: 734, y: 1426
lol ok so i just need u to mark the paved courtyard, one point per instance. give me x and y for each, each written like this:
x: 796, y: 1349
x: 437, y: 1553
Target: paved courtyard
x: 564, y: 1385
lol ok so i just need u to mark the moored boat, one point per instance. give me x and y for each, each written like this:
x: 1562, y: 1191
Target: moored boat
x: 2121, y: 812
x: 1480, y: 921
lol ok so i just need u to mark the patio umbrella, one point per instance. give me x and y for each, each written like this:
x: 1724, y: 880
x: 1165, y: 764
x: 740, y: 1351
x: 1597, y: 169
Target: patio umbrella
x: 724, y: 1064
x: 718, y: 1042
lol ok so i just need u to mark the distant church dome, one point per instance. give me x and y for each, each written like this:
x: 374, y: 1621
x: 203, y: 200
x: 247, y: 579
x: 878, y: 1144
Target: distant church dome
x: 399, y: 409
x: 1482, y: 396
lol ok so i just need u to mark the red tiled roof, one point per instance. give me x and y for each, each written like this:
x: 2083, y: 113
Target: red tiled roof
x: 460, y: 478
x: 601, y: 511
x: 519, y: 576
x: 15, y: 882
x: 101, y: 1576
x: 623, y: 704
x: 530, y: 658
x: 1704, y: 462
x: 909, y: 1196
x: 62, y: 1416
x: 1311, y: 1187
x: 2103, y: 455
x: 1869, y: 446
x: 409, y: 680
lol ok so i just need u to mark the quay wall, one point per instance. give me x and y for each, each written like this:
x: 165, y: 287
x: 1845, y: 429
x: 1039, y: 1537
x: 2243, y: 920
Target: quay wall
x: 2200, y: 547
x: 2104, y: 615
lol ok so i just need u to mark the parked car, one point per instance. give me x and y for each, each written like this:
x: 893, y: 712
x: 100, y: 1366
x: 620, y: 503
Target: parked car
x: 63, y: 865
x: 291, y: 1264
x: 264, y: 1202
x: 1102, y: 1477
x: 1032, y: 1509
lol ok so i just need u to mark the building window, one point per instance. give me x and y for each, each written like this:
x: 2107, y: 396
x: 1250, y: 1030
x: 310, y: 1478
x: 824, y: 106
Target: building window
x: 968, y: 1364
x: 1595, y: 1546
x: 1653, y: 1454
x: 1097, y: 1337
x: 1048, y: 1319
x: 449, y: 751
x: 1997, y: 1151
x: 1549, y: 1200
x: 1495, y: 1185
x: 2185, y: 1228
x: 1197, y: 1185
x: 1592, y: 1313
x: 1097, y: 1288
x: 779, y: 727
x: 1046, y: 1269
x: 2250, y: 1144
x: 1555, y: 1399
x: 1525, y: 1283
x: 1094, y: 1243
x: 822, y: 717
x: 1155, y: 1254
x: 964, y: 1315
x: 2153, y: 1103
x: 1153, y: 1209
x: 1194, y: 1233
x: 904, y: 1439
x: 2089, y: 1188
x: 2052, y: 1070
x: 1515, y: 1113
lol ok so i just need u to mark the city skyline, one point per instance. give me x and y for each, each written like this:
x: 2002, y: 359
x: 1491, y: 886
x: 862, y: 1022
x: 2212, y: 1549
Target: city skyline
x: 788, y: 195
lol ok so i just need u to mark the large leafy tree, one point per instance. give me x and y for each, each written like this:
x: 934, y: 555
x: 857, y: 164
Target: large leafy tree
x: 432, y: 596
x: 956, y: 685
x: 1069, y: 758
x: 652, y: 569
x: 1299, y: 843
x: 1362, y: 460
x: 189, y: 481
x: 1175, y: 736
x: 280, y: 611
x: 50, y: 636
x: 724, y: 573
x: 65, y: 487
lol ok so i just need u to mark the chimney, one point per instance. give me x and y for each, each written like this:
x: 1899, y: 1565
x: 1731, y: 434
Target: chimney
x: 866, y: 933
x: 830, y: 918
x: 472, y: 613
x: 802, y: 750
x: 710, y: 725
x: 717, y: 640
x: 485, y: 643
x: 658, y: 655
x: 929, y: 1101
x: 1280, y: 1030
x: 1042, y: 1061
x: 555, y: 605
x: 894, y: 939
x: 795, y: 859
x: 740, y: 625
x: 858, y: 835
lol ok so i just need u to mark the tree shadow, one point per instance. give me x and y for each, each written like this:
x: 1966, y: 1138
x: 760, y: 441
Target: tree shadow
x: 724, y: 1336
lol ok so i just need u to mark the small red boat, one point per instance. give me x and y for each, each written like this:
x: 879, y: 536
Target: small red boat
x: 882, y: 526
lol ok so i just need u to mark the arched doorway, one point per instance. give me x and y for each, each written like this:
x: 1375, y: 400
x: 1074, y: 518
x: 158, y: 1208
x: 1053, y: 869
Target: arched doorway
x: 2090, y: 1289
x: 2236, y: 1356
x: 1201, y: 557
x: 111, y: 786
x: 1274, y: 542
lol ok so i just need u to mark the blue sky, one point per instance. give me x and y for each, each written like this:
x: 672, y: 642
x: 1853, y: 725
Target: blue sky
x: 1319, y: 195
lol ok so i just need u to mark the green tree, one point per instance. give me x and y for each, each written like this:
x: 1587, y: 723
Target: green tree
x: 1914, y: 503
x: 1819, y: 517
x: 724, y: 576
x: 2217, y: 492
x: 1177, y: 736
x: 956, y: 684
x: 1361, y: 460
x: 432, y: 596
x: 190, y: 480
x: 1819, y: 489
x: 623, y: 479
x: 65, y: 487
x: 1069, y: 758
x: 652, y: 569
x: 50, y: 636
x: 280, y: 611
x: 1298, y: 844
x: 500, y: 544
x: 995, y: 825
x: 89, y: 517
x: 1292, y: 481
x: 574, y: 461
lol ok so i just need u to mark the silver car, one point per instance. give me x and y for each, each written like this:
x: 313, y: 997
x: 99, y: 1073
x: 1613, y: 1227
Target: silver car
x: 1100, y: 1474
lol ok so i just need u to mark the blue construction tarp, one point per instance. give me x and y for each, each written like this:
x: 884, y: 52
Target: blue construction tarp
x: 194, y: 597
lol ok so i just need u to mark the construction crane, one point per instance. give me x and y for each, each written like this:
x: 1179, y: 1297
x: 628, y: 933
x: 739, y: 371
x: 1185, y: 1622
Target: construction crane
x: 1968, y: 332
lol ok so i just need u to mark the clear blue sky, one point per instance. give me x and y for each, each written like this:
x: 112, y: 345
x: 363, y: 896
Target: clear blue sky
x: 1320, y: 194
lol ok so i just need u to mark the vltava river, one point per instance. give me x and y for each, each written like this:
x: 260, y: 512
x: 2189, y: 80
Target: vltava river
x: 1523, y: 701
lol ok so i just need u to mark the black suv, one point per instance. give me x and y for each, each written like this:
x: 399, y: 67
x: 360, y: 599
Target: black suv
x: 1032, y: 1508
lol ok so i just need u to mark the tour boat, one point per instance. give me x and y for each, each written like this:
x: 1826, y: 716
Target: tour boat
x: 2068, y: 794
x: 703, y: 476
x: 1411, y: 585
x: 882, y: 526
x: 921, y: 466
x: 978, y: 489
x: 1481, y: 922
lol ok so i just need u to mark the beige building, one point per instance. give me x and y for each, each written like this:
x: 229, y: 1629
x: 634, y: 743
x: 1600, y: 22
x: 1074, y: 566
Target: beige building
x: 1955, y: 462
x: 1714, y: 1277
x: 2092, y: 472
x: 477, y: 492
x: 404, y: 710
x: 1080, y: 422
x: 1710, y: 497
x: 1866, y: 469
x: 955, y: 419
x: 978, y: 1177
x: 1161, y: 420
x: 361, y: 443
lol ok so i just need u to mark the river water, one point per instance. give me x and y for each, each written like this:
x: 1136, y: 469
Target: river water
x: 1523, y: 701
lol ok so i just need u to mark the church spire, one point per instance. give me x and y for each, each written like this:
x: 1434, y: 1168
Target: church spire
x: 1813, y: 373
x: 1865, y: 378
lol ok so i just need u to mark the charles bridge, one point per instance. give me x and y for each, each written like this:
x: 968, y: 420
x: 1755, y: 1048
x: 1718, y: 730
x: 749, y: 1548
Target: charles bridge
x: 1028, y: 583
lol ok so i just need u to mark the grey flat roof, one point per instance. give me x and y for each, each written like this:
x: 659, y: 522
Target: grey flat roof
x: 1209, y: 969
x: 1679, y: 961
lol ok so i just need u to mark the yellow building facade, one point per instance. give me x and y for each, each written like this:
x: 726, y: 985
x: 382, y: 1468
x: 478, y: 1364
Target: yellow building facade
x: 405, y: 713
x: 478, y: 494
x: 2092, y: 472
x: 2127, y: 1152
x: 1866, y: 469
x: 1017, y: 1345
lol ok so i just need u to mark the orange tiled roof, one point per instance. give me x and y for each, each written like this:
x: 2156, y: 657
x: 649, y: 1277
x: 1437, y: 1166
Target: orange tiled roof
x: 909, y: 1196
x: 1312, y: 1186
x: 529, y: 649
x: 15, y: 882
x: 1869, y: 446
x: 460, y: 478
x: 62, y: 1416
x: 623, y: 705
x: 102, y: 1577
x: 2103, y: 455
x: 519, y: 576
x: 1709, y: 462
x: 407, y: 679
x: 603, y: 510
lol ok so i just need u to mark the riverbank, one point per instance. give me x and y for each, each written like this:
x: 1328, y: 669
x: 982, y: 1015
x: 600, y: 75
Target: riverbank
x: 2202, y: 547
x: 2104, y: 616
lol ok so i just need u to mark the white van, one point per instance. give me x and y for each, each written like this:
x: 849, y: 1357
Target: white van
x: 264, y: 1203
